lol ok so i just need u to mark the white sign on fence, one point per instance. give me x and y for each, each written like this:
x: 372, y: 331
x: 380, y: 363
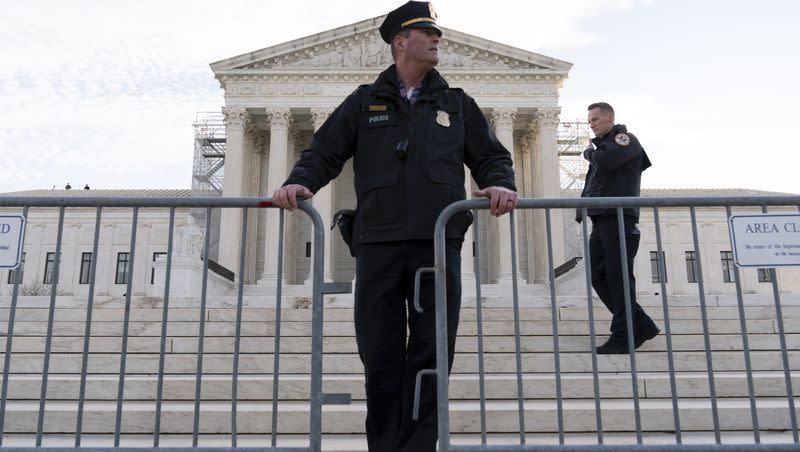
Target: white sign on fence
x: 12, y: 229
x: 765, y: 240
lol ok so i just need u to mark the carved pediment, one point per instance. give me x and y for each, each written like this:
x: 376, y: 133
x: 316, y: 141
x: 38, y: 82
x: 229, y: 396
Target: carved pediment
x: 360, y: 46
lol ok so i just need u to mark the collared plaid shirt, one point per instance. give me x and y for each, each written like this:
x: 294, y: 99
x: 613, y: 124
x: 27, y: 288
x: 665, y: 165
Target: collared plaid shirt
x: 412, y: 96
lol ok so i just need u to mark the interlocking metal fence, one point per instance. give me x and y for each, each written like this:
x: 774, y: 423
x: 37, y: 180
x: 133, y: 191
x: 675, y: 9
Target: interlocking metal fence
x: 639, y: 440
x: 548, y: 206
x: 246, y: 205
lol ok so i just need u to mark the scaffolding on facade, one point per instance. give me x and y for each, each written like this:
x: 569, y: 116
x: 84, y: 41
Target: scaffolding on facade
x: 572, y: 139
x: 208, y: 170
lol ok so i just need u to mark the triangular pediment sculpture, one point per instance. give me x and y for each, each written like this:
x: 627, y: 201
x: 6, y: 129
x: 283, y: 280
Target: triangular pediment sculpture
x: 359, y: 46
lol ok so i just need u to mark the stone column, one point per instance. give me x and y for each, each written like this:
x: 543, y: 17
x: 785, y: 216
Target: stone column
x: 503, y: 119
x: 537, y: 225
x: 530, y: 179
x: 467, y: 259
x: 549, y: 175
x: 236, y: 119
x: 251, y: 187
x: 279, y: 120
x: 323, y: 202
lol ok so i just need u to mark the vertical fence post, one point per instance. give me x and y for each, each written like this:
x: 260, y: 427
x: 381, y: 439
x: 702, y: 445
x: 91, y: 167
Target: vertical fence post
x: 238, y: 334
x: 587, y: 264
x: 276, y: 361
x: 704, y: 315
x: 50, y: 321
x: 201, y: 332
x: 554, y: 318
x: 662, y: 277
x: 88, y: 328
x: 746, y: 348
x: 125, y: 326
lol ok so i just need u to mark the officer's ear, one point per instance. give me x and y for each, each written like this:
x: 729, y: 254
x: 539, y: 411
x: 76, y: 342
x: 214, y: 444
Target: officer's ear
x: 398, y: 43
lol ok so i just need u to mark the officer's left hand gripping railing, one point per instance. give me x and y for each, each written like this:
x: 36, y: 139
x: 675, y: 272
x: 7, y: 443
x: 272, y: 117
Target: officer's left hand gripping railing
x: 317, y: 398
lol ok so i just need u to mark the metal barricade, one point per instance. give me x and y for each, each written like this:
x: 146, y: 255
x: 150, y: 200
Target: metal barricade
x: 672, y: 438
x: 64, y: 433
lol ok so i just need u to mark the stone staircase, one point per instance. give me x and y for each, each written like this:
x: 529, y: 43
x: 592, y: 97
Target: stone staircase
x: 343, y: 425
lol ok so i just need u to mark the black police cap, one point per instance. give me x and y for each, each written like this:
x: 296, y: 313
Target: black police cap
x: 411, y: 15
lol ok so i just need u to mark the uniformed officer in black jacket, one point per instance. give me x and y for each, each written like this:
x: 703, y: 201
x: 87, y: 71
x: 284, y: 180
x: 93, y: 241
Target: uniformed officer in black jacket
x: 616, y: 161
x: 410, y: 135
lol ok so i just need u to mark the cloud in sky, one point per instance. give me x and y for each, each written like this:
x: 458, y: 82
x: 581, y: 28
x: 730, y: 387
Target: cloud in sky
x: 105, y: 92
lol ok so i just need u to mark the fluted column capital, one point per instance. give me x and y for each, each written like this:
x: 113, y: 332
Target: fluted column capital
x: 236, y: 116
x: 548, y: 116
x: 503, y: 117
x: 279, y: 117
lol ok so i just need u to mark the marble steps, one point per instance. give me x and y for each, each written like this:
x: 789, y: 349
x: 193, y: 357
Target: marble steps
x: 345, y: 344
x: 254, y: 417
x: 346, y: 329
x: 262, y: 363
x: 153, y: 312
x: 462, y: 386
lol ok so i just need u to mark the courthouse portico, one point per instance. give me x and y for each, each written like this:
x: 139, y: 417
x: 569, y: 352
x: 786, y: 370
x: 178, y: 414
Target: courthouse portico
x: 275, y: 98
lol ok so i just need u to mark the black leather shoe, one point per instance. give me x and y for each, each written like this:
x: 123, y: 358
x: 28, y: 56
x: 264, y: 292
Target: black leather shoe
x: 613, y: 346
x: 645, y: 334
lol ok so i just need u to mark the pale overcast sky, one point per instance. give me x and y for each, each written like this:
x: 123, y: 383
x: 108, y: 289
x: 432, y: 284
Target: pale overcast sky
x: 105, y: 92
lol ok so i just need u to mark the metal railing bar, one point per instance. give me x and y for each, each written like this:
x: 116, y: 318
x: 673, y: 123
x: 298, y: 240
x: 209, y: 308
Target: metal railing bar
x: 746, y: 348
x: 88, y: 328
x: 784, y: 353
x: 554, y: 318
x: 164, y: 319
x: 277, y: 353
x: 317, y: 314
x: 517, y: 342
x: 623, y: 250
x: 704, y: 316
x: 525, y: 203
x: 12, y: 313
x: 125, y: 326
x: 238, y: 333
x: 476, y: 262
x: 202, y: 331
x: 668, y: 331
x: 442, y: 383
x: 598, y: 416
x: 50, y: 321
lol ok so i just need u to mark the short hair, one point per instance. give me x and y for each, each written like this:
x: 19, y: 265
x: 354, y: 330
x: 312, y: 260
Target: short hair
x: 603, y: 106
x: 404, y: 33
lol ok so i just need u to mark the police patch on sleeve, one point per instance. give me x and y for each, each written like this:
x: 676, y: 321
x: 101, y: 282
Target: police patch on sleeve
x: 622, y: 139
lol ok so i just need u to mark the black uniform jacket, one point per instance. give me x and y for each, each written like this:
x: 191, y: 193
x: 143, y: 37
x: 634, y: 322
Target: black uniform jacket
x: 615, y: 169
x: 408, y: 159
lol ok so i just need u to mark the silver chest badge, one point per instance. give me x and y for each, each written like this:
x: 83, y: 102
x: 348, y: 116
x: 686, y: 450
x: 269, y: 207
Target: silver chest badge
x: 442, y: 118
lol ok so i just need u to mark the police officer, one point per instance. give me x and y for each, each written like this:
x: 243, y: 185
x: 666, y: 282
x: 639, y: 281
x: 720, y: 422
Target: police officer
x: 410, y: 135
x: 616, y: 161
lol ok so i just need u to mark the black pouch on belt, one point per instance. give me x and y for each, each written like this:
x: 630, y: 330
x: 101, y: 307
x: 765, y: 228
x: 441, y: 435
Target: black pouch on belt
x: 344, y: 219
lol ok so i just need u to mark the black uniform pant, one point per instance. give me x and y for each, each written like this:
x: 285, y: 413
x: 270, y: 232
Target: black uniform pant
x: 384, y: 311
x: 607, y: 271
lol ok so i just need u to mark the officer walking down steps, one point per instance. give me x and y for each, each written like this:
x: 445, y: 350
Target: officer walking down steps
x: 616, y: 161
x: 410, y: 135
